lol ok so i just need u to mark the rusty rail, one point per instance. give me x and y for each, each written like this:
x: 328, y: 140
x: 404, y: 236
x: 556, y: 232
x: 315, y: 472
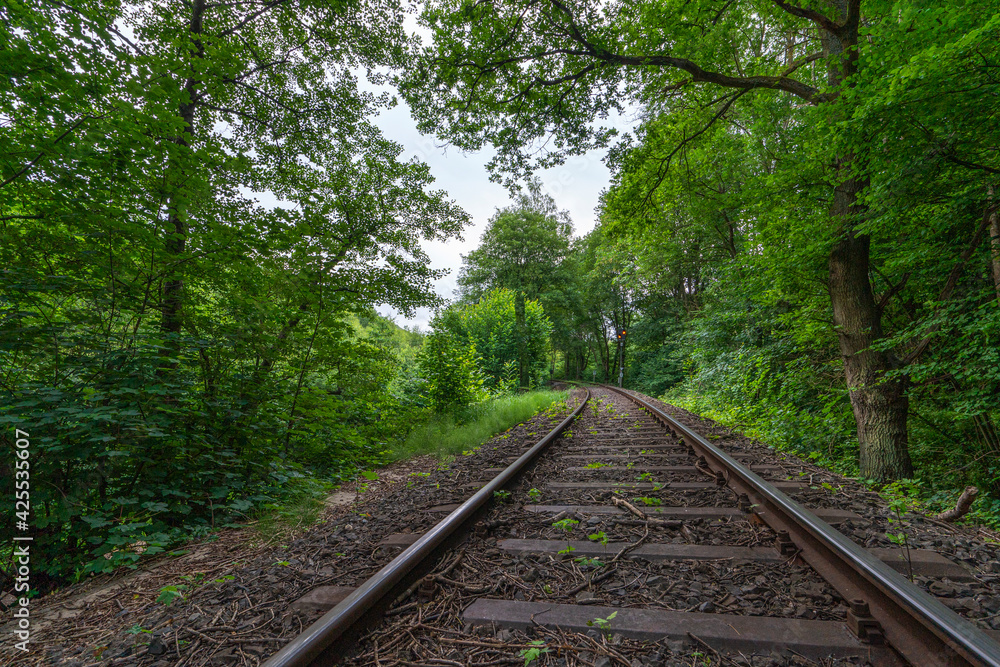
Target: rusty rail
x: 327, y: 640
x: 918, y: 626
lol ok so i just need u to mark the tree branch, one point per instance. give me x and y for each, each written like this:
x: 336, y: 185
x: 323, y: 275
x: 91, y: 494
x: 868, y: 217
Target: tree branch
x: 818, y: 18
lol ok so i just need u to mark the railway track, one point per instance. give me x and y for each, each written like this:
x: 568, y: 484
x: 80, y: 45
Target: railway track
x: 624, y: 537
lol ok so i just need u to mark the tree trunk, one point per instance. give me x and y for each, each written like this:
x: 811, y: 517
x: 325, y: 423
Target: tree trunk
x: 880, y: 406
x: 177, y: 227
x: 522, y: 351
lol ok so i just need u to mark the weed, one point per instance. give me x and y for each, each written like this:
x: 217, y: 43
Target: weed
x: 603, y: 624
x: 502, y: 496
x: 565, y: 525
x: 533, y: 653
x: 534, y: 494
x: 589, y: 562
x: 646, y: 500
x: 169, y: 593
x: 902, y: 499
x: 600, y: 537
x: 595, y: 465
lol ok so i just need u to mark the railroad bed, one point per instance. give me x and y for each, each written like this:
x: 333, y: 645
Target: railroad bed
x: 626, y: 544
x: 615, y: 546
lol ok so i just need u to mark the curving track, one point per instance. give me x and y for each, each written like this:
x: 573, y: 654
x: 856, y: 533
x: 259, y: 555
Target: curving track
x: 623, y: 537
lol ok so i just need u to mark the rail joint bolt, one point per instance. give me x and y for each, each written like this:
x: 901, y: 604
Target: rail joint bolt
x: 744, y: 504
x: 427, y: 589
x: 786, y: 547
x: 861, y: 623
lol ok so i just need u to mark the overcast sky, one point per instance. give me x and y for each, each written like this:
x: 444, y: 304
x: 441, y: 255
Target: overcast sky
x: 575, y: 186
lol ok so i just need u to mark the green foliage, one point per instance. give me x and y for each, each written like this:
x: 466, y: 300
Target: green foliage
x: 525, y: 249
x: 534, y: 653
x: 604, y: 624
x: 491, y: 326
x: 589, y: 562
x: 177, y: 350
x: 454, y: 381
x: 565, y: 524
x: 170, y: 593
x: 599, y: 536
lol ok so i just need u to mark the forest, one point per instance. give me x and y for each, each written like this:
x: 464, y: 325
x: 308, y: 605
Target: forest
x: 199, y: 217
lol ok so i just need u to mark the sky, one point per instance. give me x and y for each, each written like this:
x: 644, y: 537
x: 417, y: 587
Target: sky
x: 576, y: 187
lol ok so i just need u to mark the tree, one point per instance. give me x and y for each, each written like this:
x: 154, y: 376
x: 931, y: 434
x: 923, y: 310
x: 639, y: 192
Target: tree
x: 164, y: 330
x: 454, y: 380
x: 522, y: 249
x: 491, y: 326
x: 531, y: 77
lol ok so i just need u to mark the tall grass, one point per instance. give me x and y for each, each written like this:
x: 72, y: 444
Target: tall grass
x: 443, y: 436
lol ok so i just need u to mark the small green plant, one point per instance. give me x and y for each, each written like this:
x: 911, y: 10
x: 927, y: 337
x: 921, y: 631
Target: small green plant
x: 370, y: 475
x: 534, y: 494
x: 566, y: 525
x: 829, y: 487
x: 646, y: 500
x: 701, y: 659
x: 169, y: 593
x: 282, y: 563
x: 644, y: 477
x: 533, y: 653
x: 902, y: 495
x: 595, y: 465
x: 603, y: 624
x: 589, y: 562
x: 600, y: 537
x: 568, y: 550
x: 630, y: 465
x: 502, y: 495
x: 137, y: 629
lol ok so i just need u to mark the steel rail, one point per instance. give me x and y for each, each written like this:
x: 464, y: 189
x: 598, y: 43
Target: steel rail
x: 316, y: 645
x: 917, y: 625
